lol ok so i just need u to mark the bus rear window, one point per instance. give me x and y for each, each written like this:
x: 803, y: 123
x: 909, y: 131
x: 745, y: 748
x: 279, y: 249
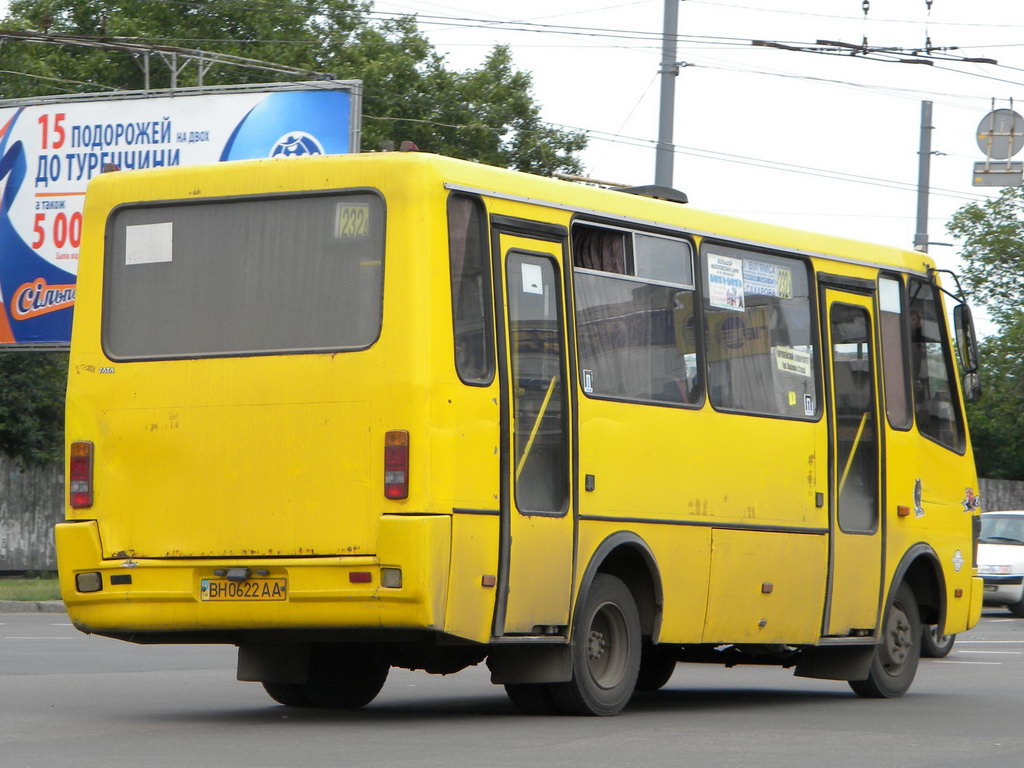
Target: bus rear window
x: 244, y: 276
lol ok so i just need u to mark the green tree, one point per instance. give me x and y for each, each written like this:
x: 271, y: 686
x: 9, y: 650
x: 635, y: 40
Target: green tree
x: 487, y: 114
x: 997, y: 419
x: 992, y: 236
x: 992, y: 249
x: 32, y: 405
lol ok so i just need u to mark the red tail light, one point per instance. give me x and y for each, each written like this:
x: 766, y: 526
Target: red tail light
x: 396, y: 464
x: 80, y: 478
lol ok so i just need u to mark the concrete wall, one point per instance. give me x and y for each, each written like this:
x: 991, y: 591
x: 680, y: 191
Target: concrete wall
x: 31, y: 503
x: 999, y: 495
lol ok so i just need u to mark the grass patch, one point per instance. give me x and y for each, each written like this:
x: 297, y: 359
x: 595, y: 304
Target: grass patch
x: 29, y: 588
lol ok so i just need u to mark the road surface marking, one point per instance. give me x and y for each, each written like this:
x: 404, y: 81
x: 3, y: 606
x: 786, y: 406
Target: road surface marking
x: 989, y: 642
x: 1001, y: 653
x: 947, y: 661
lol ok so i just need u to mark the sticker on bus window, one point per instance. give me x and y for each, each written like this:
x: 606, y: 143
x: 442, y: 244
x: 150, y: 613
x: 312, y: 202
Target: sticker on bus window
x: 533, y: 279
x: 148, y: 243
x: 808, y: 405
x: 793, y: 361
x: 763, y: 279
x: 352, y: 220
x: 785, y: 283
x: 760, y: 278
x: 725, y: 282
x: 588, y: 381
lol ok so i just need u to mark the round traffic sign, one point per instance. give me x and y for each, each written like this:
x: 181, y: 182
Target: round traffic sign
x: 1001, y: 134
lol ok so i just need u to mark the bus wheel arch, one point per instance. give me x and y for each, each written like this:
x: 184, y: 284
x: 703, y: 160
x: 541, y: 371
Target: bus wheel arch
x: 920, y: 569
x: 627, y: 557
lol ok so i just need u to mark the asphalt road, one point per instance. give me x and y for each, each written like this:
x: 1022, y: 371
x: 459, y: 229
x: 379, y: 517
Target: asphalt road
x: 71, y: 700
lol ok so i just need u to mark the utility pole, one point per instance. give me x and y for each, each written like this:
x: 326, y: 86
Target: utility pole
x: 924, y: 161
x: 669, y: 71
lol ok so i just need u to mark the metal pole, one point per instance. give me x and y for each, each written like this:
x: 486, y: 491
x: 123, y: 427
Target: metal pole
x: 669, y: 71
x: 924, y: 162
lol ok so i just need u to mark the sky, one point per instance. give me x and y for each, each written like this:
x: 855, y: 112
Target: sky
x: 820, y: 142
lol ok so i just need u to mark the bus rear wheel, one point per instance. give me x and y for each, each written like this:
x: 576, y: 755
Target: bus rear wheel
x: 605, y: 651
x: 289, y: 694
x: 343, y: 677
x: 657, y: 663
x: 895, y: 661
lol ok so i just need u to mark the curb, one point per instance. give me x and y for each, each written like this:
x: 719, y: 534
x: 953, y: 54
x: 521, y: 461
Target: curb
x: 31, y: 606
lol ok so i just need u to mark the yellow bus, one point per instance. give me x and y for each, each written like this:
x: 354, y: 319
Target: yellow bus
x: 397, y: 410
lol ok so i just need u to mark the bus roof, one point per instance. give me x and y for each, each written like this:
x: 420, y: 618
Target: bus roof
x: 612, y: 203
x: 607, y: 204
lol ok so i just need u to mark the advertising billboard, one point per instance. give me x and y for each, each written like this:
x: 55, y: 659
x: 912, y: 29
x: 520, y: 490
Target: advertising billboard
x: 50, y: 148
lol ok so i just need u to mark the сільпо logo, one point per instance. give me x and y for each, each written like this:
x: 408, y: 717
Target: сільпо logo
x: 295, y: 144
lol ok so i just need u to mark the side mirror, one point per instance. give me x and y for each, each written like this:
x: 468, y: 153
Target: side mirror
x: 972, y: 386
x: 966, y: 339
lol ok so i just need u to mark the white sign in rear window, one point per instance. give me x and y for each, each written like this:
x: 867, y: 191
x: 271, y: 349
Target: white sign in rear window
x: 148, y: 243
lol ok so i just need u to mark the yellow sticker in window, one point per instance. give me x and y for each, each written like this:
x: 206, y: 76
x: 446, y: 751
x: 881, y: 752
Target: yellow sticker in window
x: 353, y: 220
x: 792, y: 398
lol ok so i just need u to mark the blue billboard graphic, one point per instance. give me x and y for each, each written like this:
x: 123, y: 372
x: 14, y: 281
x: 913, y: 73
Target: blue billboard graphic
x: 49, y: 150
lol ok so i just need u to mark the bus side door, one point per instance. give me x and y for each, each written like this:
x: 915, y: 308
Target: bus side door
x: 855, y: 557
x: 537, y: 517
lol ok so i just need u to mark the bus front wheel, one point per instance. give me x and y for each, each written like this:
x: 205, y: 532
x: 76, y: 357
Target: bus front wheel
x: 934, y: 645
x: 895, y: 661
x: 605, y: 651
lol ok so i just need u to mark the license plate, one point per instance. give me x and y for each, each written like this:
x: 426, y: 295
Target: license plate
x: 990, y: 588
x: 211, y: 590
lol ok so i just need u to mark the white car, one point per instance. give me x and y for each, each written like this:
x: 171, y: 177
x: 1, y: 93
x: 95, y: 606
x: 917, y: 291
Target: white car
x: 1001, y: 559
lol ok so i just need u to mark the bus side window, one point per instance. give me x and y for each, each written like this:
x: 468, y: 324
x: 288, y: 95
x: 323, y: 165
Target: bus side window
x: 759, y: 333
x: 471, y: 290
x: 931, y: 369
x: 635, y: 322
x: 894, y: 352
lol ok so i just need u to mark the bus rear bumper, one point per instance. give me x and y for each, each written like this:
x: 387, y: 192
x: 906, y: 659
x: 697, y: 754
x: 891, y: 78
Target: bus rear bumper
x: 184, y: 600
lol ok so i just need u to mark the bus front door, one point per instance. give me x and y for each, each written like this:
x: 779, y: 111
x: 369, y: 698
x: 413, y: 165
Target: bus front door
x: 537, y: 525
x: 855, y: 558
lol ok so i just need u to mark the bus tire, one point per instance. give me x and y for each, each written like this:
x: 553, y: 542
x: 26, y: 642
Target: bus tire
x: 895, y: 661
x: 532, y: 698
x: 289, y: 694
x: 605, y: 651
x: 934, y: 645
x: 657, y: 663
x: 343, y: 678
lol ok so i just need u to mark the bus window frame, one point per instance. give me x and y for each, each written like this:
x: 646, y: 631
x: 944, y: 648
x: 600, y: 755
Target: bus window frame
x: 951, y: 369
x: 908, y: 386
x: 488, y: 288
x: 675, y: 236
x: 814, y: 319
x: 877, y: 383
x: 108, y: 230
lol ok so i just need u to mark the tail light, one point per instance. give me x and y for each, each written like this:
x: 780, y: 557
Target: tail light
x: 80, y: 484
x: 396, y: 464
